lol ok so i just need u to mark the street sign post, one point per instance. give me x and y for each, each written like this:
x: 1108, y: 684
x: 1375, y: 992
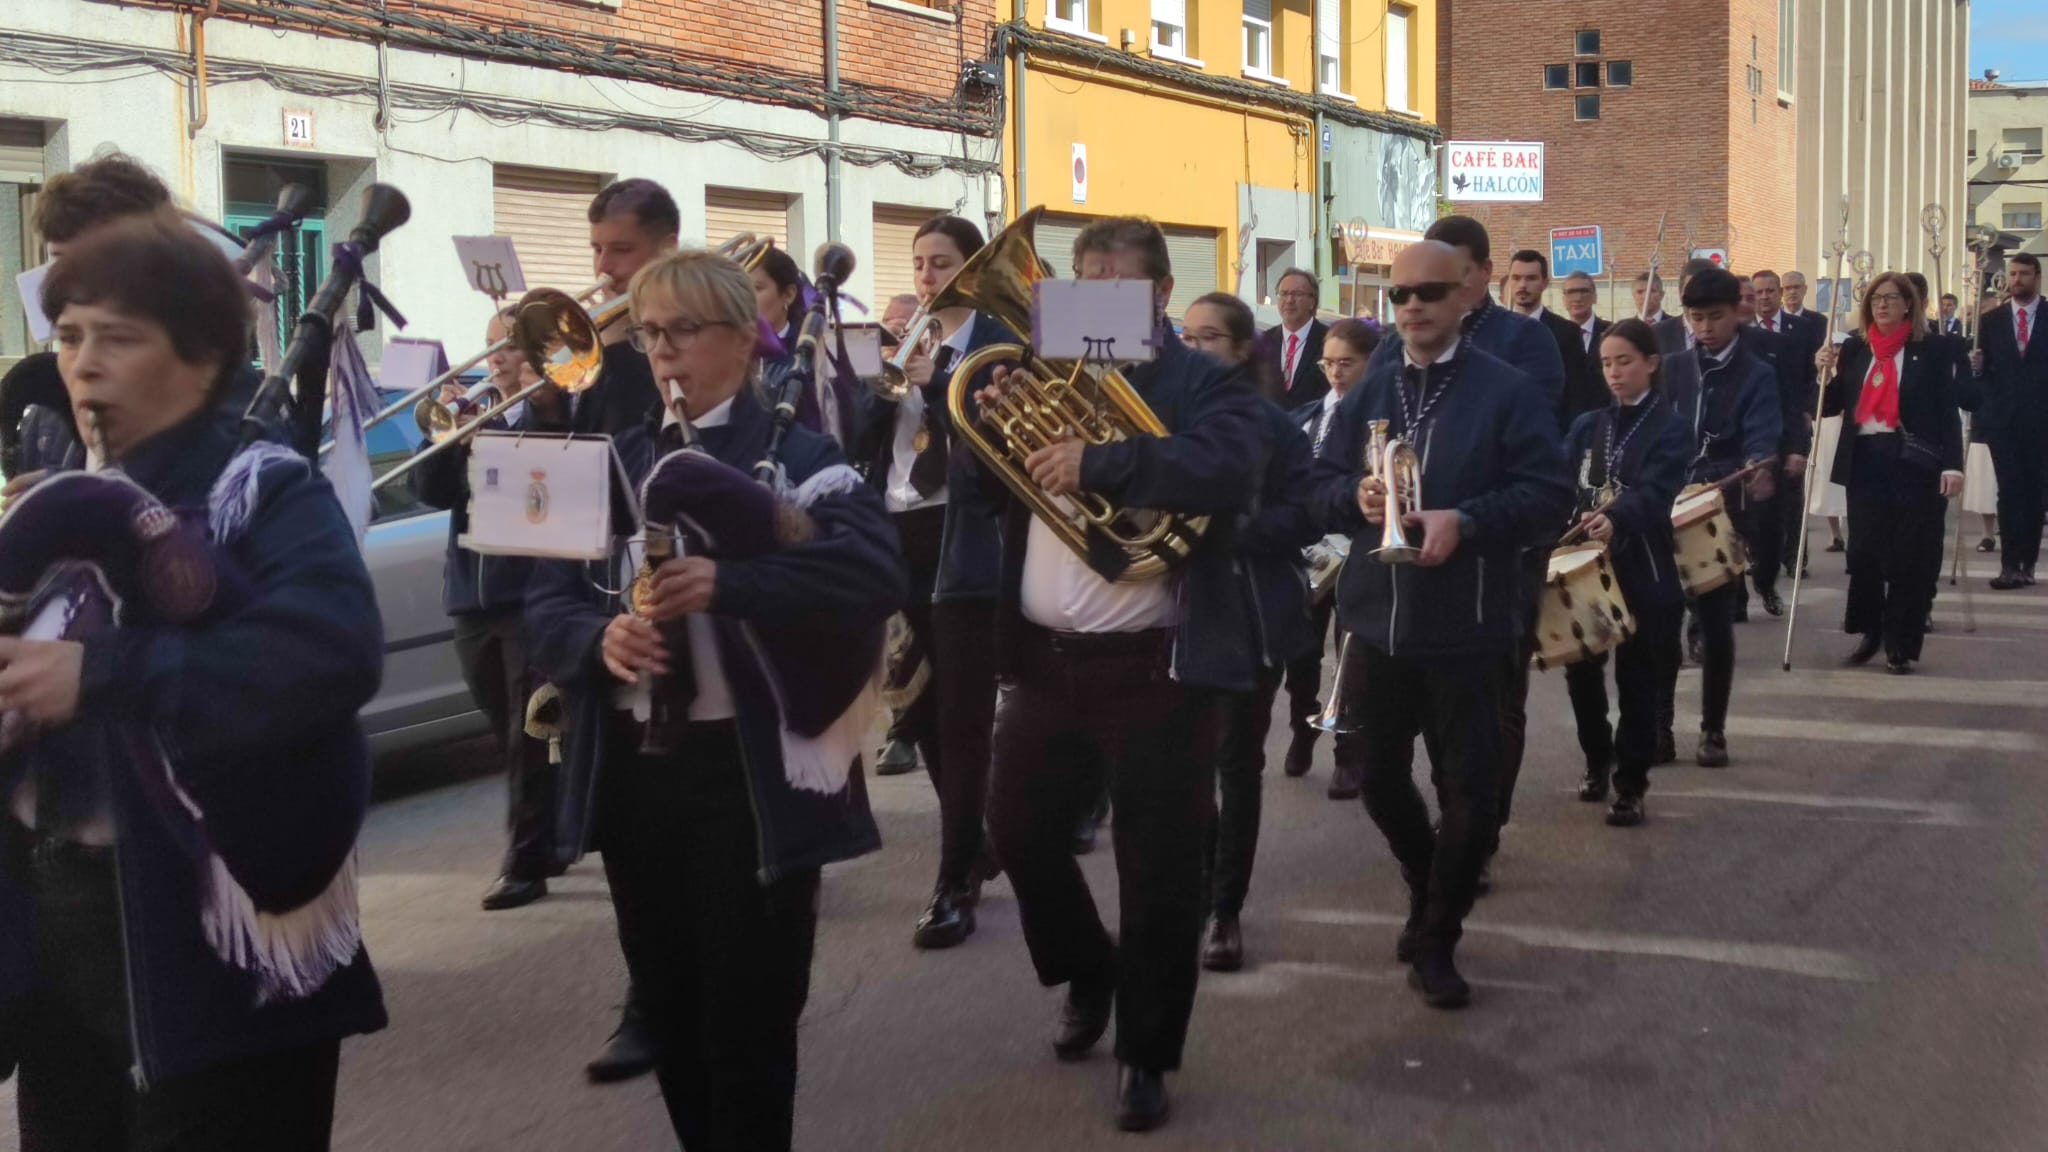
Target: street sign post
x: 1575, y: 250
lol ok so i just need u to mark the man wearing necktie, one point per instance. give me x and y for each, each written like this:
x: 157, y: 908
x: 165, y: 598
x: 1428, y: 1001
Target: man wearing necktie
x: 1296, y: 343
x: 2011, y: 368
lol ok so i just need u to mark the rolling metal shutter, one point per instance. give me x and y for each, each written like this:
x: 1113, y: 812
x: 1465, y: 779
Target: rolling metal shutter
x: 547, y: 215
x: 731, y: 211
x: 1193, y: 251
x: 895, y: 231
x: 1055, y: 242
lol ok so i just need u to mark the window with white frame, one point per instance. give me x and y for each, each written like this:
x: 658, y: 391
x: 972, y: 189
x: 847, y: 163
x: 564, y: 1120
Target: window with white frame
x: 2023, y: 142
x: 1170, y: 28
x: 1258, y: 37
x: 1067, y: 15
x: 1330, y: 48
x: 2022, y: 217
x: 1788, y: 44
x: 1399, y: 97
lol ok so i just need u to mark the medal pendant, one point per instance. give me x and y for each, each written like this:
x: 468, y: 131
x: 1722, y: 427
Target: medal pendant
x: 921, y: 440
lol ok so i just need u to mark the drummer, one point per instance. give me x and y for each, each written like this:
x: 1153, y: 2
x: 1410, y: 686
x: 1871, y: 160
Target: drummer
x: 1630, y: 458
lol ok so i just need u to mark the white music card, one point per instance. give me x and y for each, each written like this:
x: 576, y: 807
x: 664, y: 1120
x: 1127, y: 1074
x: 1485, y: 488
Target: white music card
x: 864, y: 349
x: 548, y: 496
x: 1103, y: 320
x: 30, y: 285
x: 492, y: 265
x: 410, y: 362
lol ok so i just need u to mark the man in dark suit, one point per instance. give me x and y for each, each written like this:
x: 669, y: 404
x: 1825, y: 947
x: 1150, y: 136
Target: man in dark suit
x: 632, y: 224
x: 1673, y: 334
x: 1950, y: 324
x: 1293, y: 348
x: 1585, y: 383
x: 1791, y: 369
x: 1584, y: 388
x: 2011, y: 366
x: 1803, y: 333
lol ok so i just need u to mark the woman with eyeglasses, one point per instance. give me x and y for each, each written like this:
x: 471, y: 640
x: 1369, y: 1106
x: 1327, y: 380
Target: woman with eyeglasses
x: 1269, y: 538
x: 1901, y: 461
x: 1347, y: 348
x: 712, y: 847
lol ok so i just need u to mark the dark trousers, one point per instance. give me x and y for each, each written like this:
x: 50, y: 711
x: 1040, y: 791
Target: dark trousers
x: 1393, y: 699
x: 1639, y: 676
x: 1530, y: 570
x: 1763, y: 533
x: 1240, y: 767
x: 76, y: 1090
x: 1896, y: 520
x: 1304, y: 677
x: 1074, y: 712
x: 1715, y: 615
x: 2017, y: 458
x: 492, y: 649
x: 720, y: 962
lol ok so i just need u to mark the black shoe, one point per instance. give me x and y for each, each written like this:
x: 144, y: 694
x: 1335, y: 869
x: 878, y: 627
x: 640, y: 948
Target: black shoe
x: 1898, y: 667
x: 1667, y: 748
x: 512, y: 892
x: 1223, y: 951
x: 1301, y: 753
x: 1987, y: 544
x: 1694, y: 653
x: 1084, y: 1017
x: 1866, y: 647
x: 1141, y: 1103
x: 1626, y: 812
x: 1713, y: 751
x: 2008, y: 580
x: 1836, y: 545
x: 947, y: 921
x: 896, y: 758
x: 1436, y: 977
x: 1742, y: 610
x: 1084, y: 835
x: 631, y: 1051
x: 1593, y: 788
x: 1344, y: 783
x: 1773, y: 603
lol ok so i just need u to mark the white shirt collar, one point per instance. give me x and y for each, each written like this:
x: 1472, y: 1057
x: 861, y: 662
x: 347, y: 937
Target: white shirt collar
x: 718, y: 417
x: 1301, y: 331
x: 1791, y: 311
x: 1637, y: 402
x: 1408, y: 353
x: 959, y: 339
x: 1722, y: 356
x: 1587, y: 327
x: 1535, y: 315
x: 1330, y: 400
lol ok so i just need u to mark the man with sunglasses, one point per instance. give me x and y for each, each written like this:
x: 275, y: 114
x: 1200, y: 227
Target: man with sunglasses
x: 1430, y: 642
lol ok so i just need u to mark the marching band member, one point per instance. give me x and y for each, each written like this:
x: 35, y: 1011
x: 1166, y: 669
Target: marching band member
x: 1802, y: 336
x: 632, y: 224
x: 1118, y: 684
x: 1729, y: 400
x: 713, y: 849
x: 1270, y: 537
x: 485, y: 597
x: 952, y: 547
x: 177, y: 831
x: 898, y: 755
x: 1895, y: 385
x: 1631, y: 459
x: 2011, y: 364
x: 779, y: 292
x: 1344, y: 365
x: 1431, y: 642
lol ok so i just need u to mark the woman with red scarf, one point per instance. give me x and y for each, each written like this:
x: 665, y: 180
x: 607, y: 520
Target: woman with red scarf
x: 1901, y: 463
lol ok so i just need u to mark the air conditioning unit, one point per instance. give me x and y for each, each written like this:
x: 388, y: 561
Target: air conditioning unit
x: 2007, y: 160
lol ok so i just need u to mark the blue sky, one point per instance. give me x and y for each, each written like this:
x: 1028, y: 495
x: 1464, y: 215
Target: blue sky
x: 2011, y: 36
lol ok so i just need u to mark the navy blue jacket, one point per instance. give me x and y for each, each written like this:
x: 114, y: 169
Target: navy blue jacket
x: 1521, y: 341
x: 471, y: 582
x: 1488, y: 449
x: 1731, y: 409
x: 1270, y: 537
x: 1792, y: 370
x: 1209, y: 463
x: 1650, y: 471
x: 255, y: 706
x: 850, y: 571
x: 2013, y: 385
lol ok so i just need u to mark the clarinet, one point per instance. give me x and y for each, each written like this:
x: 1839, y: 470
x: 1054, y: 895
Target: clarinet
x: 669, y: 693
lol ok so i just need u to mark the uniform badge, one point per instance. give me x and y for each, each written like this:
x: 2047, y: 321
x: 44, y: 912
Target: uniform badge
x: 537, y: 498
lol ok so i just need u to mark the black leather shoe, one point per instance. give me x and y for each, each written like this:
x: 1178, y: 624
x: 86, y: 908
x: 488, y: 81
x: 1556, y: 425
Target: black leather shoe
x: 1836, y: 545
x: 1626, y: 812
x: 631, y: 1051
x: 1898, y: 667
x: 1987, y: 544
x: 1084, y: 1017
x: 1866, y: 647
x: 2008, y: 580
x: 1773, y: 603
x: 1141, y: 1103
x: 1713, y: 751
x: 512, y: 892
x: 1436, y: 977
x: 1667, y: 748
x: 1344, y: 783
x: 1593, y: 788
x: 897, y: 758
x: 947, y: 921
x: 1223, y: 951
x: 1301, y: 753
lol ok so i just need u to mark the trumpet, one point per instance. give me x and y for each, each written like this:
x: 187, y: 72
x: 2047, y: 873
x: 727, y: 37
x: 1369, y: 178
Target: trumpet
x: 920, y: 337
x: 1394, y: 464
x: 437, y: 419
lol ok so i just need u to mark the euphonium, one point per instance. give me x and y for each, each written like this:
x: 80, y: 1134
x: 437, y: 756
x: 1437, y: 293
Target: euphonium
x: 1399, y: 471
x: 1046, y: 401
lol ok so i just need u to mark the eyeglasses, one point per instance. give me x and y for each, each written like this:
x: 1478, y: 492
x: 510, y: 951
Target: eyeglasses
x: 1331, y: 367
x: 1429, y: 293
x: 644, y: 337
x: 1887, y: 298
x: 1296, y: 294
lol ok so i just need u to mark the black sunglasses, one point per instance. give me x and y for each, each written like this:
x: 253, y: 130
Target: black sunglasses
x: 1428, y: 293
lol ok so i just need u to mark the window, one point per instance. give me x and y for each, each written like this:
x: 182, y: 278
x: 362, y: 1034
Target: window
x: 2023, y: 217
x: 1275, y: 258
x: 1788, y: 45
x: 1586, y: 43
x: 299, y: 261
x: 2024, y: 141
x: 1973, y: 144
x: 731, y: 211
x: 1588, y: 107
x: 1330, y: 49
x: 1753, y: 79
x: 1170, y: 28
x: 1398, y: 97
x: 1258, y: 37
x: 1620, y: 73
x: 1589, y: 74
x: 1068, y: 16
x: 1557, y: 76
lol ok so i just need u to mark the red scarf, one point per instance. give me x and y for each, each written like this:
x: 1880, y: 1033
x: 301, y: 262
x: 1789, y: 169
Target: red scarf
x: 1880, y: 400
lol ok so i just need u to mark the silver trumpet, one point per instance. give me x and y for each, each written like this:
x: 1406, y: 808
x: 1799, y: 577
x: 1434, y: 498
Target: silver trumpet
x: 1327, y: 720
x: 1395, y: 465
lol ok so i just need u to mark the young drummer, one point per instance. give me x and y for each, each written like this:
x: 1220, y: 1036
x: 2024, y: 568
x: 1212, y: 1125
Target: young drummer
x: 1630, y: 458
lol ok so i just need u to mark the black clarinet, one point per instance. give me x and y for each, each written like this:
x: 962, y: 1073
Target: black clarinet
x: 669, y: 693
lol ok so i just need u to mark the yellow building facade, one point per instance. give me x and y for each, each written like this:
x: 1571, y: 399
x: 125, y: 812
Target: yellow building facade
x: 1233, y: 123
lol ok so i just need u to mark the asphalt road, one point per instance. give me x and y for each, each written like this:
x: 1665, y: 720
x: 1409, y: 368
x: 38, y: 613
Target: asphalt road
x: 1835, y: 943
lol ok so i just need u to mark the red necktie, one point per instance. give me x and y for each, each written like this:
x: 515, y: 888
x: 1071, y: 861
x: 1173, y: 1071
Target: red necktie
x: 2022, y: 314
x: 1294, y: 345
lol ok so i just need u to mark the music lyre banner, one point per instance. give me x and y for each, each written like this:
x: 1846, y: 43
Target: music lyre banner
x: 1100, y: 320
x: 492, y: 265
x: 533, y: 495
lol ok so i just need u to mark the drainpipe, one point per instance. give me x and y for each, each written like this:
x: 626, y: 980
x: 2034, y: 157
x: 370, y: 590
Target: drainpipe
x: 1319, y: 201
x: 198, y: 101
x: 832, y: 190
x: 1023, y: 145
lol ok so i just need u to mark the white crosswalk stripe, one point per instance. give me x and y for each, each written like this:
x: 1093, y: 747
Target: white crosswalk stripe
x: 1933, y: 812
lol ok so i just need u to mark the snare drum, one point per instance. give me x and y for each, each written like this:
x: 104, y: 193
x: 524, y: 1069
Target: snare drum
x: 1703, y: 538
x: 1582, y: 613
